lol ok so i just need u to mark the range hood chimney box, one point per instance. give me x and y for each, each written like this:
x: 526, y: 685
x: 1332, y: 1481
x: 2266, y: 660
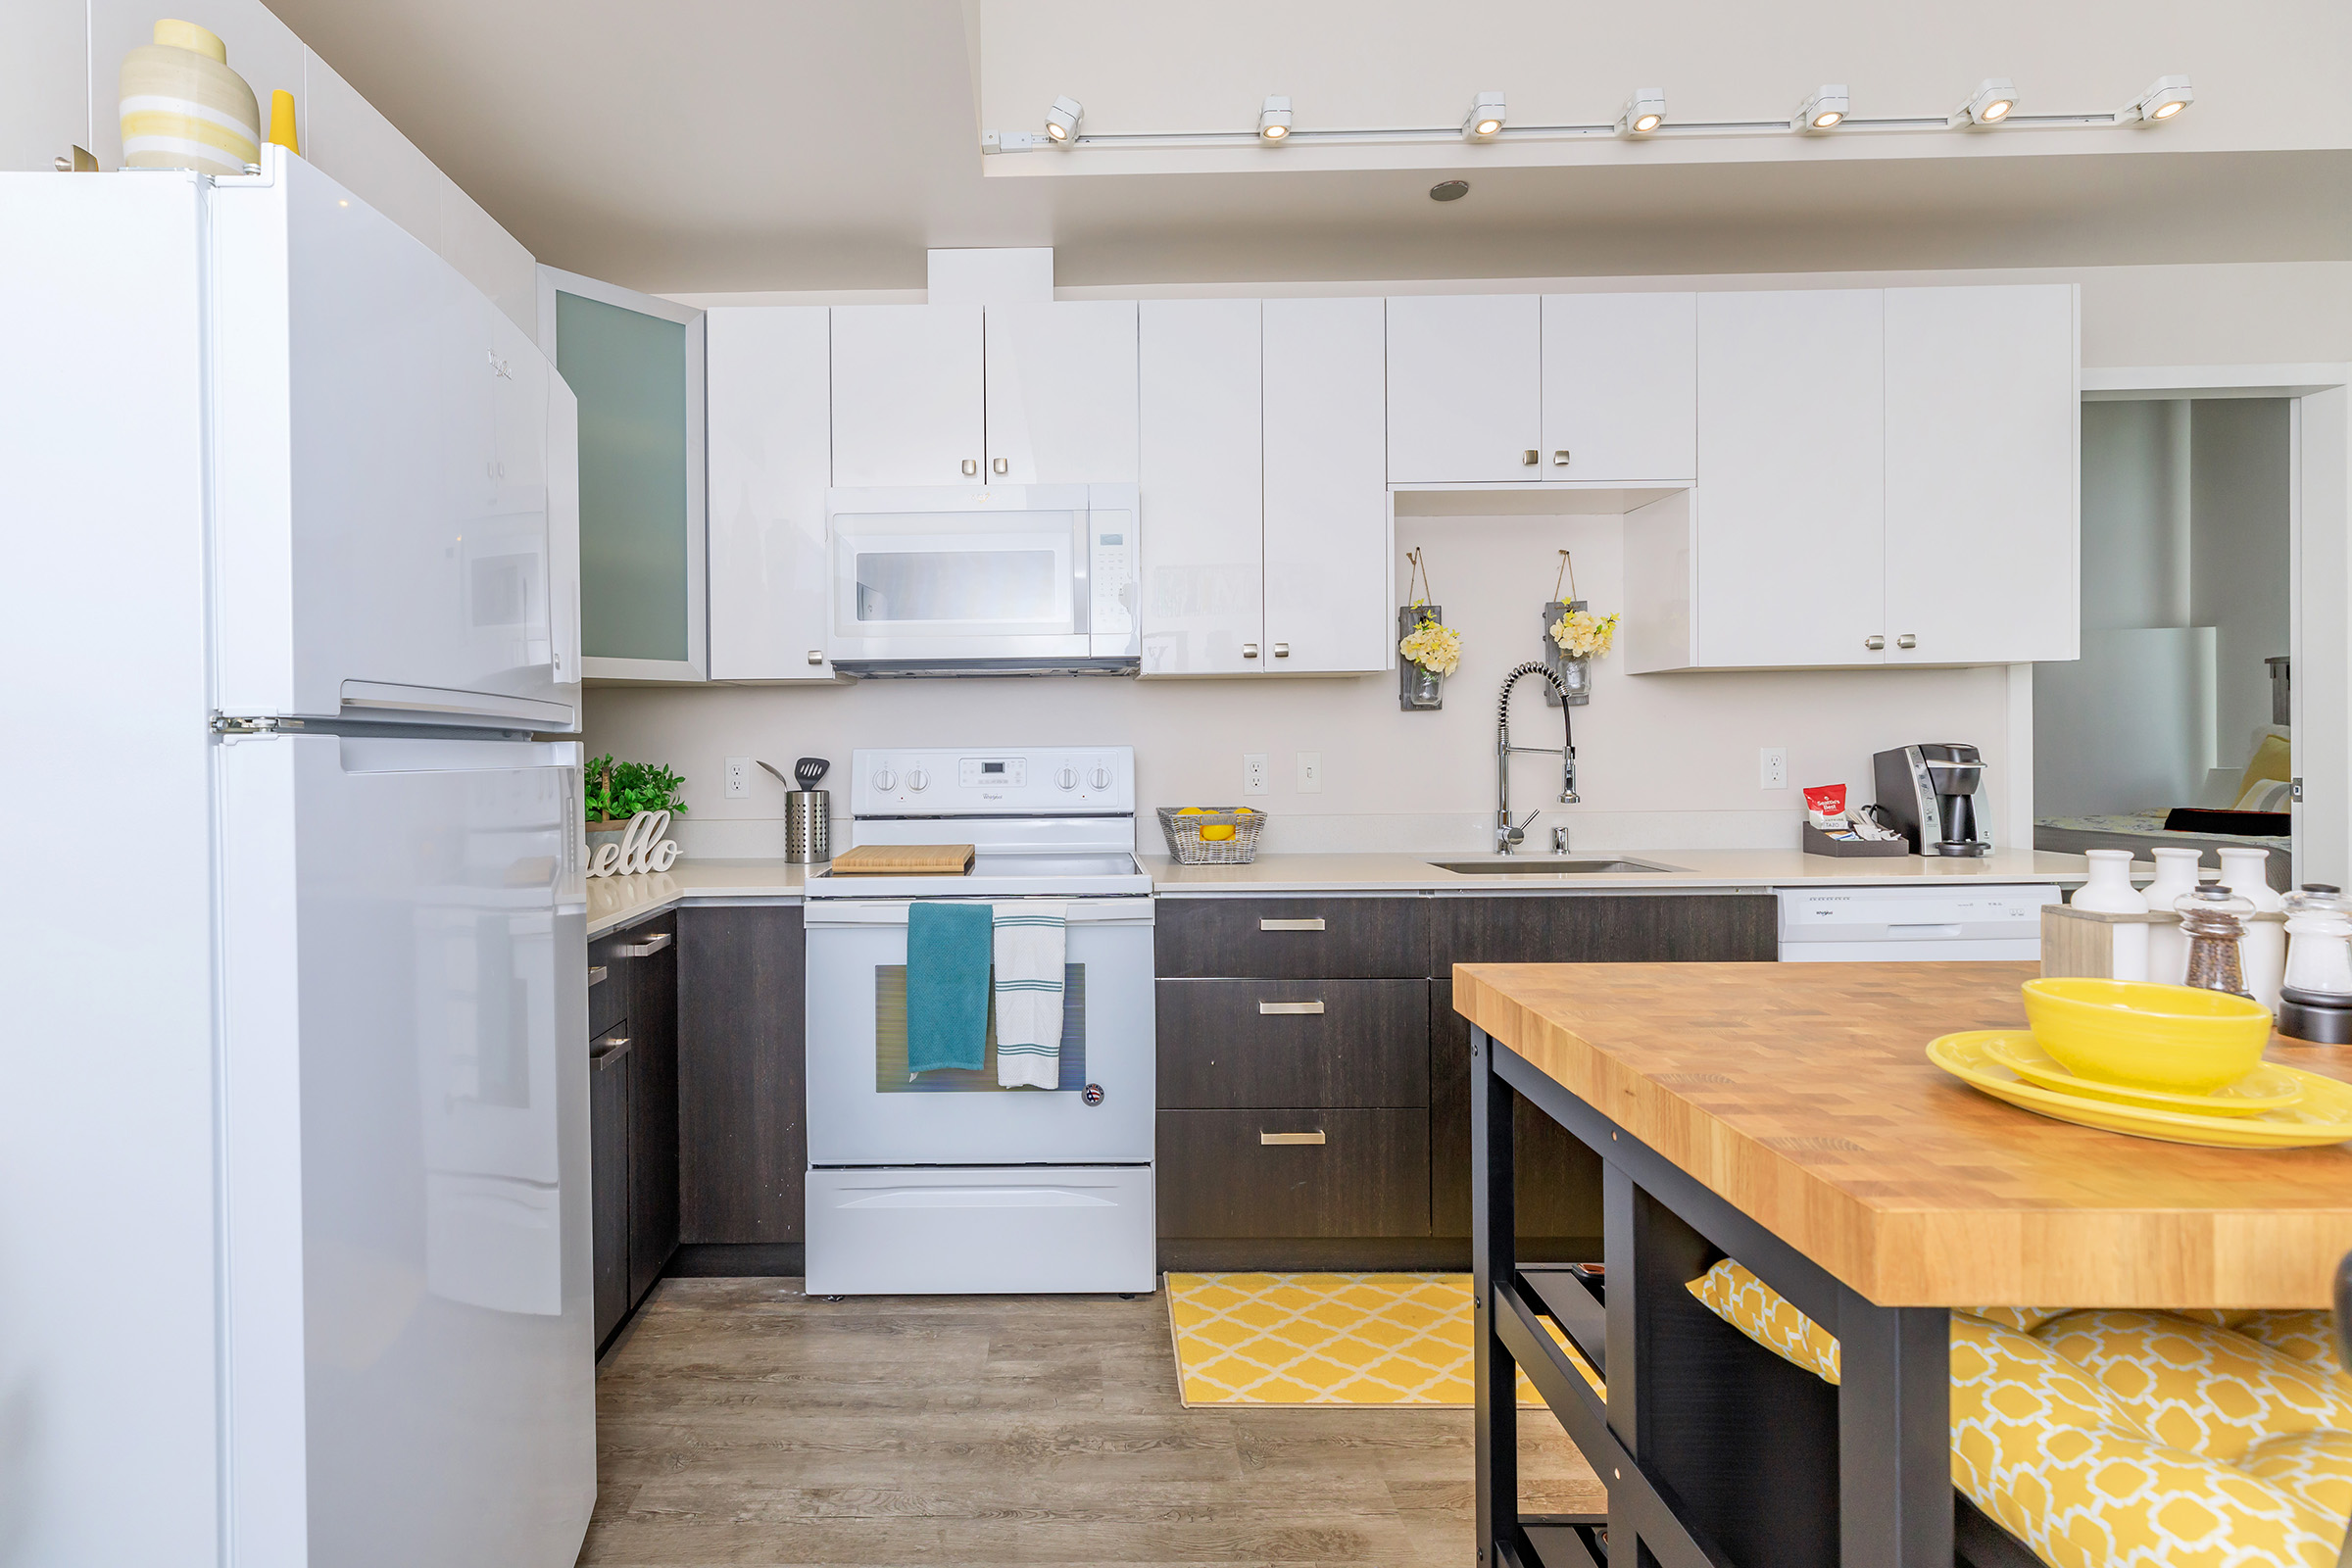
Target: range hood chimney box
x: 1006, y: 276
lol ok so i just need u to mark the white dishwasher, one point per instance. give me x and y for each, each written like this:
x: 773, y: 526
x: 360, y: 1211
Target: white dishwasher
x: 1936, y: 921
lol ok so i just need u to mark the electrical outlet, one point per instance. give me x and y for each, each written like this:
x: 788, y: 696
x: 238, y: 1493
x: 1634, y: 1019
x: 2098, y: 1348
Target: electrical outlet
x: 1253, y: 773
x: 1310, y: 772
x: 739, y: 778
x: 1771, y: 768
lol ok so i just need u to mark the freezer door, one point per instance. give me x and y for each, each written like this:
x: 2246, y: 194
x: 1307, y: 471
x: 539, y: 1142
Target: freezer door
x: 382, y: 497
x: 405, y: 967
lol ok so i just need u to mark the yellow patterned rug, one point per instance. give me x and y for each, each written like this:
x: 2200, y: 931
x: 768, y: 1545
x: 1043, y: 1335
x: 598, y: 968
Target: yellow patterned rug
x: 1329, y: 1339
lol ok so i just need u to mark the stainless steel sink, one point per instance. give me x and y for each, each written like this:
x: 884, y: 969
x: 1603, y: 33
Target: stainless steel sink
x: 1514, y: 865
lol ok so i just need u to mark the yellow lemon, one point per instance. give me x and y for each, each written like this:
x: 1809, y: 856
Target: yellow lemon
x: 1210, y: 832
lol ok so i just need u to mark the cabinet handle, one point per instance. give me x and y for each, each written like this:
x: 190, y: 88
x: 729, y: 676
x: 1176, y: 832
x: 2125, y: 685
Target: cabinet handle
x: 1559, y: 460
x: 596, y: 974
x: 1317, y: 924
x: 1249, y: 650
x: 1873, y: 644
x: 599, y: 1050
x: 1290, y: 1009
x: 1315, y: 1137
x: 1530, y: 456
x: 971, y: 467
x: 1000, y: 465
x: 1906, y: 640
x: 816, y: 656
x: 646, y: 948
x: 1282, y: 649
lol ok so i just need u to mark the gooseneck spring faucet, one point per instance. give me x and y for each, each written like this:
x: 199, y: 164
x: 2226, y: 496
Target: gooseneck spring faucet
x: 1510, y: 835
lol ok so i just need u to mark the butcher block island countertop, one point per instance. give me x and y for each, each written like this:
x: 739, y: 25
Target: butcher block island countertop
x: 1802, y: 1094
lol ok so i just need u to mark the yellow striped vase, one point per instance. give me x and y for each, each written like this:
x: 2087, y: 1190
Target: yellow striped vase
x: 183, y: 108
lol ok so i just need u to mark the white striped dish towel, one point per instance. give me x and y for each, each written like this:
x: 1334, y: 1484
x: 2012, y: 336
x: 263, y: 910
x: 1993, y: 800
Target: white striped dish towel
x: 1031, y: 940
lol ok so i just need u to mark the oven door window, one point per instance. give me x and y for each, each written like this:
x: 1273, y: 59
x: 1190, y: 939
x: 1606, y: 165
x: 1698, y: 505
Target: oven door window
x: 891, y: 1076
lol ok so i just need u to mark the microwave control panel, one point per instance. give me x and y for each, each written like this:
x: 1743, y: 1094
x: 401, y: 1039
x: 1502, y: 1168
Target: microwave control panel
x: 1112, y: 567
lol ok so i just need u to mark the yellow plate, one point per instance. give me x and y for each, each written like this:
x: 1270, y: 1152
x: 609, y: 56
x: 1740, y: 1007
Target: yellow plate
x: 2266, y: 1088
x: 2323, y: 1116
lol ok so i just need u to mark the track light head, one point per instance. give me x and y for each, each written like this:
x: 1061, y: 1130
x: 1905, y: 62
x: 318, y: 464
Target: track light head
x: 1274, y: 119
x: 1061, y: 121
x: 1988, y: 105
x: 1484, y: 119
x: 2166, y: 97
x: 1644, y: 113
x: 1824, y: 107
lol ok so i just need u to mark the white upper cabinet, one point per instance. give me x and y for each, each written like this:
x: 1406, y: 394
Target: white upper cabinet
x: 1983, y: 494
x: 1061, y: 393
x: 1203, y: 472
x: 1790, y: 516
x: 771, y: 437
x: 1328, y: 599
x: 1465, y: 388
x: 1620, y: 388
x: 908, y: 401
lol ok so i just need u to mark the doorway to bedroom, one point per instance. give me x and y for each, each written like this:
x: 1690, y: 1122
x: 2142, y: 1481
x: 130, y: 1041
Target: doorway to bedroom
x: 2175, y: 726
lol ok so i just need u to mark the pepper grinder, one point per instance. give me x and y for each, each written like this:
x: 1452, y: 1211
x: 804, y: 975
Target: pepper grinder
x: 2213, y: 921
x: 2316, y: 1002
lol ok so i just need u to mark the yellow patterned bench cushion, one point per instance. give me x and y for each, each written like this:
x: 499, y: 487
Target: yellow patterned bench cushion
x: 2126, y: 1439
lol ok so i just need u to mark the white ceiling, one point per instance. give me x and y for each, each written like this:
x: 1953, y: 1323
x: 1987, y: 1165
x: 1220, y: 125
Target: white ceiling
x: 787, y: 145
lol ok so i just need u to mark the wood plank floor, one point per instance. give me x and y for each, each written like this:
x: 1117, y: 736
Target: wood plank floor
x: 741, y: 1422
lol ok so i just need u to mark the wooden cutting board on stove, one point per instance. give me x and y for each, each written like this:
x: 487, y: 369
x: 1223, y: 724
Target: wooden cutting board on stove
x: 904, y: 860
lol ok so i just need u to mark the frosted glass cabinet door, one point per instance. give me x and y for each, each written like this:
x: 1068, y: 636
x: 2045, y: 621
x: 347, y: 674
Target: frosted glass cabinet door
x: 1620, y: 387
x: 1982, y: 498
x: 1465, y: 388
x: 1202, y: 475
x: 770, y: 459
x: 1061, y: 393
x: 635, y: 364
x: 1328, y: 606
x: 908, y: 401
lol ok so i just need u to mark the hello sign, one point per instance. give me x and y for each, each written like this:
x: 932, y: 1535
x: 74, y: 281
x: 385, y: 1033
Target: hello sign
x: 641, y: 847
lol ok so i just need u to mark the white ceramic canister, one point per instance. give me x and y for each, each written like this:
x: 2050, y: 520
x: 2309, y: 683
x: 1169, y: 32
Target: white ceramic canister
x: 2110, y: 892
x: 2167, y: 949
x: 183, y: 108
x: 2263, y: 951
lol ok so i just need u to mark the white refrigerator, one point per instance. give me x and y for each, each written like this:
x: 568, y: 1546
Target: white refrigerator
x: 294, y: 1242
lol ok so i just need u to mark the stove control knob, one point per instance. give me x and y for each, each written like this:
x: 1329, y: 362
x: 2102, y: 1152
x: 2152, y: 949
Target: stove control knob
x: 1099, y: 778
x: 1066, y: 779
x: 919, y: 780
x: 885, y: 779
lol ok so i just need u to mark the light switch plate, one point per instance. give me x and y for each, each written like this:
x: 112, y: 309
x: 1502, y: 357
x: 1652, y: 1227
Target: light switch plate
x: 1310, y: 772
x: 1772, y: 768
x: 739, y: 778
x: 1253, y: 773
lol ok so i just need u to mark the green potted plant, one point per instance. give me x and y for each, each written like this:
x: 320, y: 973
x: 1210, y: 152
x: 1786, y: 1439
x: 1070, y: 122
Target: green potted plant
x: 621, y: 791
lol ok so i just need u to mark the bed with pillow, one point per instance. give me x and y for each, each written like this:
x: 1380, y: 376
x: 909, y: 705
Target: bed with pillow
x: 2263, y: 788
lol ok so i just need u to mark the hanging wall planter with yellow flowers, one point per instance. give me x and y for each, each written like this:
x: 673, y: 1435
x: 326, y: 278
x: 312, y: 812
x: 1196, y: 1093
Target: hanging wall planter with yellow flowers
x: 1429, y: 650
x: 1573, y: 638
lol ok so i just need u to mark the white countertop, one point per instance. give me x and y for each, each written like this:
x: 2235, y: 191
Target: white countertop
x: 618, y: 900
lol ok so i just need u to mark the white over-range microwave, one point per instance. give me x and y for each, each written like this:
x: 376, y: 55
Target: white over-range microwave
x: 1002, y: 581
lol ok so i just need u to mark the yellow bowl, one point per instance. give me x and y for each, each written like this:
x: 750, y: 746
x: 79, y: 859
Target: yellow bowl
x: 2174, y: 1038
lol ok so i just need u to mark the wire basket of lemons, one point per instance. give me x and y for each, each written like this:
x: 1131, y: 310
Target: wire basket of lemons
x: 1211, y: 835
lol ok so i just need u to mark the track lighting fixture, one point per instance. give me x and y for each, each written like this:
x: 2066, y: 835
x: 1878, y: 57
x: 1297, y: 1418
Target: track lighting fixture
x: 1484, y: 119
x: 2166, y: 97
x: 1061, y: 121
x: 1988, y: 105
x: 1274, y: 119
x: 1822, y: 109
x: 1644, y: 113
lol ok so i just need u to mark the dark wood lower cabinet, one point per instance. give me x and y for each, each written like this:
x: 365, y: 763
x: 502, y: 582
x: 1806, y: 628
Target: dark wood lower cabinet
x: 742, y: 1129
x: 1236, y: 1044
x: 653, y: 980
x: 609, y: 1182
x: 1297, y: 1173
x: 1559, y: 1178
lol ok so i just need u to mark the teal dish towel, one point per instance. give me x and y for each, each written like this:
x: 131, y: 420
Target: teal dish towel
x: 947, y: 985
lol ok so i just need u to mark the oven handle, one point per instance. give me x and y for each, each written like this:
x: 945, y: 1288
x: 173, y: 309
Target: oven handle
x: 893, y: 912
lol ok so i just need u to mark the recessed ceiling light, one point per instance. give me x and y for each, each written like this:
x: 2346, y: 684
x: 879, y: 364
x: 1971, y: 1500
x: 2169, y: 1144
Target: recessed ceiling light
x: 1644, y: 113
x: 1988, y: 105
x: 1449, y: 190
x: 1061, y: 121
x: 1484, y: 122
x: 2166, y: 97
x: 1274, y: 119
x: 1822, y: 109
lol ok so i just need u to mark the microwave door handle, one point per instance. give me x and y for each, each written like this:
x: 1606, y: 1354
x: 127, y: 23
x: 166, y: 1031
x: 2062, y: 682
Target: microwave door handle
x: 1082, y: 581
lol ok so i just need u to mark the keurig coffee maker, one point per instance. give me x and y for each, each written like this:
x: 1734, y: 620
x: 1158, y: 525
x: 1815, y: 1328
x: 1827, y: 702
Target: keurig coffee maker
x: 1935, y: 794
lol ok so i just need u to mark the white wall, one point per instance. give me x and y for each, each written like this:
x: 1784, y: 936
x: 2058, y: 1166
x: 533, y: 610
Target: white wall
x: 59, y: 76
x: 1665, y: 760
x: 2240, y: 475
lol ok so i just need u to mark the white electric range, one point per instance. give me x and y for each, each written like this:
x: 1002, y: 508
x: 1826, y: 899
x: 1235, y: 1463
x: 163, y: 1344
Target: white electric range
x: 947, y: 1183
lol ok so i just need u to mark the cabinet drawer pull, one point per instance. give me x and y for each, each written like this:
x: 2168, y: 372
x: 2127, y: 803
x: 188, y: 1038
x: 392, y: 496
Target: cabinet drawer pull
x: 1530, y: 456
x: 1289, y: 1009
x: 816, y: 656
x: 971, y: 467
x: 596, y: 974
x: 646, y: 948
x: 1249, y: 650
x: 1873, y: 644
x: 1317, y: 924
x: 1272, y: 1138
x: 1906, y: 640
x: 1559, y: 460
x: 599, y: 1050
x: 1000, y: 465
x: 1282, y: 649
